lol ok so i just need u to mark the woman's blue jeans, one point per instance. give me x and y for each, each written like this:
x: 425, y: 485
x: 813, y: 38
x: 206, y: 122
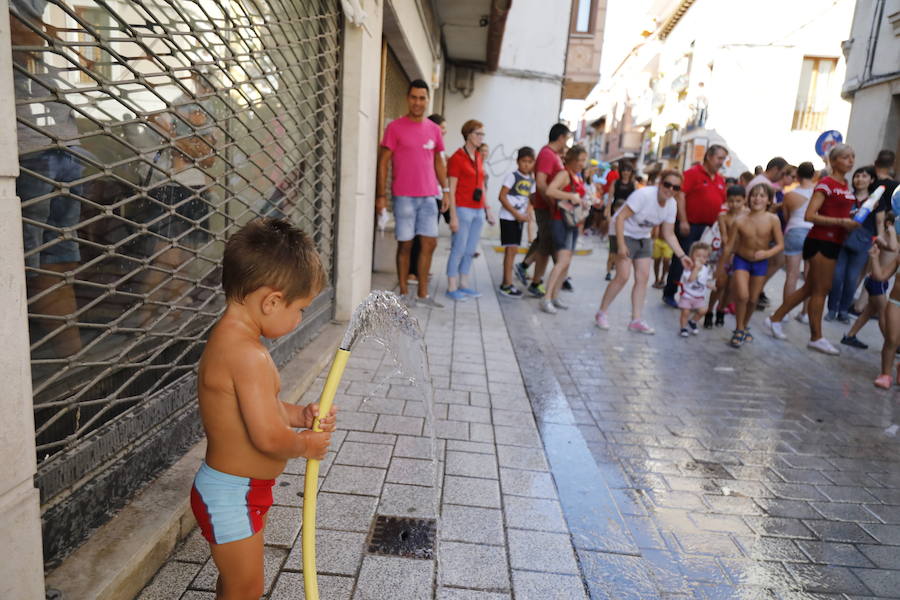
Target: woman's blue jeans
x: 464, y: 243
x: 850, y: 264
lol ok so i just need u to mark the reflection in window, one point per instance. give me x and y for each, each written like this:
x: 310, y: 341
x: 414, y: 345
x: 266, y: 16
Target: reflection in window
x: 583, y: 16
x: 147, y: 133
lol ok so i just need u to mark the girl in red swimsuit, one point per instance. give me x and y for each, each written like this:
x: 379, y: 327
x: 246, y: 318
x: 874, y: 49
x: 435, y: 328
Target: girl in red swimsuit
x: 829, y: 212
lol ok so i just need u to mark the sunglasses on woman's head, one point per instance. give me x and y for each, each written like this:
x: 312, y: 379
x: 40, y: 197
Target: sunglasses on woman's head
x: 671, y: 186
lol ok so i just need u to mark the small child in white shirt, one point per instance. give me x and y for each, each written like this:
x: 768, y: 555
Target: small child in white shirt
x: 694, y: 284
x: 515, y: 209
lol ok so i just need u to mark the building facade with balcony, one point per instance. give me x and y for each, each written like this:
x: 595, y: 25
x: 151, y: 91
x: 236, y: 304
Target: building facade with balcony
x: 702, y: 72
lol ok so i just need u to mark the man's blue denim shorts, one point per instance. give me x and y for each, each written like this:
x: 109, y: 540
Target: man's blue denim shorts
x: 415, y: 215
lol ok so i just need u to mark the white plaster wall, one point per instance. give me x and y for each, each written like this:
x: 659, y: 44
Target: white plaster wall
x: 521, y: 101
x: 867, y: 131
x: 510, y: 121
x: 871, y: 105
x: 415, y: 37
x: 536, y: 36
x: 887, y: 55
x: 359, y: 135
x: 21, y: 570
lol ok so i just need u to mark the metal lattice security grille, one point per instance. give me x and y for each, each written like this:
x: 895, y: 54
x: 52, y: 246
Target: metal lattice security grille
x: 149, y: 131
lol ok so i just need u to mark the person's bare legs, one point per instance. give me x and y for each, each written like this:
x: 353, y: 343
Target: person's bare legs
x: 740, y: 295
x: 558, y: 274
x: 756, y: 285
x: 874, y: 307
x: 818, y: 269
x: 623, y: 272
x: 60, y: 302
x: 404, y: 250
x: 642, y: 268
x: 426, y: 251
x: 821, y: 271
x: 774, y: 265
x: 509, y: 257
x: 891, y: 338
x: 792, y: 266
x: 240, y: 567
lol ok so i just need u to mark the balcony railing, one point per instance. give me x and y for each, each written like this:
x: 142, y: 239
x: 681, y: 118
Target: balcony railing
x: 808, y: 120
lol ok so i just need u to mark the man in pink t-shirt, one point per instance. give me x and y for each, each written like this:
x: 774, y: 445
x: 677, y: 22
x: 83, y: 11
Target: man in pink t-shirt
x: 413, y: 146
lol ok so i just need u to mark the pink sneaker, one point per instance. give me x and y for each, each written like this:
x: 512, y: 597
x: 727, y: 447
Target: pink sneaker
x: 641, y: 326
x: 600, y: 320
x: 883, y: 381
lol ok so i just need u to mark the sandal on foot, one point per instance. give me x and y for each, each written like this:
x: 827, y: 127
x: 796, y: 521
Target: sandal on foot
x: 737, y: 339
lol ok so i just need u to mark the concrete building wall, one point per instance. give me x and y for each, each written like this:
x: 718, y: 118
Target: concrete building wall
x: 359, y: 128
x: 411, y: 39
x: 22, y: 567
x: 873, y: 81
x: 520, y: 102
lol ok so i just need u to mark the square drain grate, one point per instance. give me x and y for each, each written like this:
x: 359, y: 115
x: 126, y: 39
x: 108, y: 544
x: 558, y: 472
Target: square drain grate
x: 403, y: 536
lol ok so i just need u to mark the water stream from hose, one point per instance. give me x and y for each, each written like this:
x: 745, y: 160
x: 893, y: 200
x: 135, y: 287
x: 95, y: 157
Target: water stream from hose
x: 385, y: 320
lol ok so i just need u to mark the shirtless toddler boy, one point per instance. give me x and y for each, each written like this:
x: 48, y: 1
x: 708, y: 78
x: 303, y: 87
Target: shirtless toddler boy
x: 753, y: 239
x: 270, y: 273
x: 735, y: 206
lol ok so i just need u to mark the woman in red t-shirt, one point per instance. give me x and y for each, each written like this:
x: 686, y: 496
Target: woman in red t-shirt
x: 468, y: 210
x: 565, y: 192
x: 829, y: 212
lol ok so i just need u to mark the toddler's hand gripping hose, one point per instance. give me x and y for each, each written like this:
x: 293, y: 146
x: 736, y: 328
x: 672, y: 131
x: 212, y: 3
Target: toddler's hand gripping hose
x: 311, y: 481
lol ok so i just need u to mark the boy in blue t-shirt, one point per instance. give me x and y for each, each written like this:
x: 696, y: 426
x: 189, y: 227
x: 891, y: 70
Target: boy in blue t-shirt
x: 514, y: 200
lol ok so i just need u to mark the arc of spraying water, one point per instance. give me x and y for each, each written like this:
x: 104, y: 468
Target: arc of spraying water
x: 380, y: 308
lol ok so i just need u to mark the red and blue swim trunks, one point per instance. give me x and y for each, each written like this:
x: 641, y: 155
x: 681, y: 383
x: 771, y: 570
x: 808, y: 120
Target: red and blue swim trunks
x: 227, y: 507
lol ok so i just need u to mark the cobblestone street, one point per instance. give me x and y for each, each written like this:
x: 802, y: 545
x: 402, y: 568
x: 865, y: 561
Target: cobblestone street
x: 576, y: 463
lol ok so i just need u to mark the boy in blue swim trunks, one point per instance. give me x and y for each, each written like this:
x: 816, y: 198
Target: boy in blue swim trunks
x: 877, y: 290
x: 270, y: 273
x: 756, y: 238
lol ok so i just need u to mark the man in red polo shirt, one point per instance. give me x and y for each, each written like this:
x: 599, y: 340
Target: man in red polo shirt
x: 699, y: 203
x: 546, y: 167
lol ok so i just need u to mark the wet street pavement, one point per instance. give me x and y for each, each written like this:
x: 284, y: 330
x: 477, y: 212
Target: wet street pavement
x: 574, y: 463
x: 764, y: 472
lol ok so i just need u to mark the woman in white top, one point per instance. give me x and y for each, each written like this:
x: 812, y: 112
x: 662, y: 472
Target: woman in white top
x: 645, y: 209
x: 794, y: 206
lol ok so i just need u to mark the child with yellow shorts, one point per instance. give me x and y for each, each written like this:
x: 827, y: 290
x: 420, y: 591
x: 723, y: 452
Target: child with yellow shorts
x: 662, y: 259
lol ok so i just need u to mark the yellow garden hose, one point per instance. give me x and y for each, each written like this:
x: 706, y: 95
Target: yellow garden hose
x: 311, y: 481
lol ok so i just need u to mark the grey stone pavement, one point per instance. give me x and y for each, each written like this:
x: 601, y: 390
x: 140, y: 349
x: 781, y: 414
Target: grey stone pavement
x: 575, y: 463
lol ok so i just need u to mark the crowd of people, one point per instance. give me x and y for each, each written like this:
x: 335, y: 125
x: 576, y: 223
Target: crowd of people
x: 711, y: 243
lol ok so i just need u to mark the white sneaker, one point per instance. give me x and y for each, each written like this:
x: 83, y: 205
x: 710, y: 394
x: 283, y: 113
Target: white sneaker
x: 802, y: 318
x: 560, y: 304
x: 824, y: 346
x: 547, y: 307
x: 776, y: 329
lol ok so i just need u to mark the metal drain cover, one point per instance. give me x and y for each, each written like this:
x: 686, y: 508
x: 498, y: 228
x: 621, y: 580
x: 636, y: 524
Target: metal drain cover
x: 403, y: 536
